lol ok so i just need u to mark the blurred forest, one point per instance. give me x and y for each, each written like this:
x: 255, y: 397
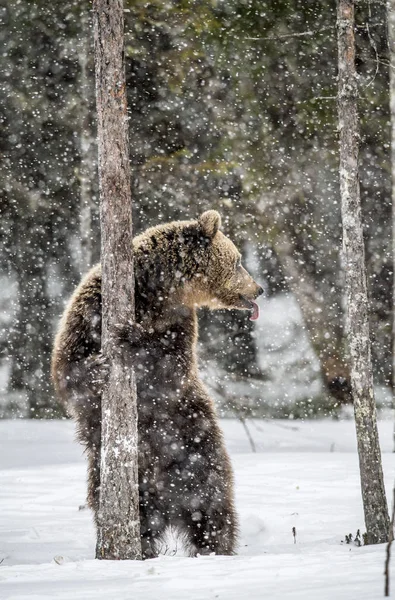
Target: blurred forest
x: 232, y: 106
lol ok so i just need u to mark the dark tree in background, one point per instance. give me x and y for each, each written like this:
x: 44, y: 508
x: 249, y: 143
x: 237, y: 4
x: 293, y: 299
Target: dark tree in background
x: 87, y: 171
x: 119, y: 522
x: 372, y: 482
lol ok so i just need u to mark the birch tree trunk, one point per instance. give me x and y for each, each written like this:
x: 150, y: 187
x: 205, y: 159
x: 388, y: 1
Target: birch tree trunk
x: 119, y: 525
x: 372, y: 484
x: 391, y: 43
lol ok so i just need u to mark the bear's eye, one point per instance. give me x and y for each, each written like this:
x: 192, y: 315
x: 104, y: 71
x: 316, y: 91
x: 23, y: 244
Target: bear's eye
x: 238, y: 263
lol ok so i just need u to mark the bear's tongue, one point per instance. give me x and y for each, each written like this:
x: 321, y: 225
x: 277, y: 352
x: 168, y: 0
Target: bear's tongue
x: 255, y: 311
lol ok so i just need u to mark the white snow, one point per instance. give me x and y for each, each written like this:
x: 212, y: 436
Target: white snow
x: 304, y: 475
x: 281, y: 331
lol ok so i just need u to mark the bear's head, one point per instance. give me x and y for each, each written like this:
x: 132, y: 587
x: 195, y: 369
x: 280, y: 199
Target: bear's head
x: 222, y: 282
x: 194, y: 263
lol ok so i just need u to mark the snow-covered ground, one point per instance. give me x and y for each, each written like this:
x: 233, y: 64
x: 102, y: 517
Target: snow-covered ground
x: 304, y: 475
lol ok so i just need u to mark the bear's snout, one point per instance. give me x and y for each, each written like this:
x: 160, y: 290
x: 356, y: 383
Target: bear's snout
x: 249, y: 287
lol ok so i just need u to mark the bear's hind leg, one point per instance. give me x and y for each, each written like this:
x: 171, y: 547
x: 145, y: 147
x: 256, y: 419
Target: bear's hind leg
x: 215, y: 532
x: 152, y: 528
x: 89, y: 434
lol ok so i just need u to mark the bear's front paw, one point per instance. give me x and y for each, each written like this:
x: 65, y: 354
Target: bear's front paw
x: 100, y: 369
x: 131, y: 332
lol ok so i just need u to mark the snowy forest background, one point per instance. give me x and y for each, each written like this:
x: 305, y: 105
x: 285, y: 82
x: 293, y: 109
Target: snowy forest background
x: 233, y: 107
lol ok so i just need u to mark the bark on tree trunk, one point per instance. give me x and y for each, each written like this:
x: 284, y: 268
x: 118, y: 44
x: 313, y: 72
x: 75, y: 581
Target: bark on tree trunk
x: 391, y: 43
x: 119, y: 524
x: 373, y: 492
x: 87, y: 171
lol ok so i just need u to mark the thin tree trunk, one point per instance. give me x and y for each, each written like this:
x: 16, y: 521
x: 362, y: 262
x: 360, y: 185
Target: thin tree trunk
x: 87, y: 171
x: 34, y: 307
x: 119, y: 524
x: 391, y: 43
x: 30, y: 341
x: 373, y: 492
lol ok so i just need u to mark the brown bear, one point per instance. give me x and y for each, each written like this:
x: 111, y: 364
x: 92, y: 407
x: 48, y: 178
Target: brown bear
x: 185, y: 477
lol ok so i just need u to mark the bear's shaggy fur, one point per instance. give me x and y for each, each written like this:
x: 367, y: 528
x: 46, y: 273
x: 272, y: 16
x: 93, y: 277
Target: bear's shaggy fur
x: 185, y: 477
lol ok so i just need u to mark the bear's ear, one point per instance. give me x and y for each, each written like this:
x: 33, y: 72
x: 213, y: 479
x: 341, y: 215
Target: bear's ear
x: 210, y: 222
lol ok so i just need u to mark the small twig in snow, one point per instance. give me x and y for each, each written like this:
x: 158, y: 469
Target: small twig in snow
x: 248, y: 433
x: 289, y: 427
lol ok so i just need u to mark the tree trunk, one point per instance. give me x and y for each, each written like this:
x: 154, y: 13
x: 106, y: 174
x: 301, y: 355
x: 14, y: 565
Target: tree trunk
x: 35, y: 334
x: 373, y: 492
x: 321, y: 316
x: 391, y: 43
x: 119, y: 524
x: 87, y: 170
x: 30, y: 340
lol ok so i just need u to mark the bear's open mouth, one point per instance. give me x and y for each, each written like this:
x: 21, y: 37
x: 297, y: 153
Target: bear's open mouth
x: 252, y: 306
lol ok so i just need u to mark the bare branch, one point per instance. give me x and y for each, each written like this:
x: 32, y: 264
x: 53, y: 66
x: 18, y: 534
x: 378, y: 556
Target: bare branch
x: 285, y: 36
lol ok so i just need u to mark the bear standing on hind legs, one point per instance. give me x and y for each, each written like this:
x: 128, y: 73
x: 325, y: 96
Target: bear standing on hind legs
x: 185, y: 477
